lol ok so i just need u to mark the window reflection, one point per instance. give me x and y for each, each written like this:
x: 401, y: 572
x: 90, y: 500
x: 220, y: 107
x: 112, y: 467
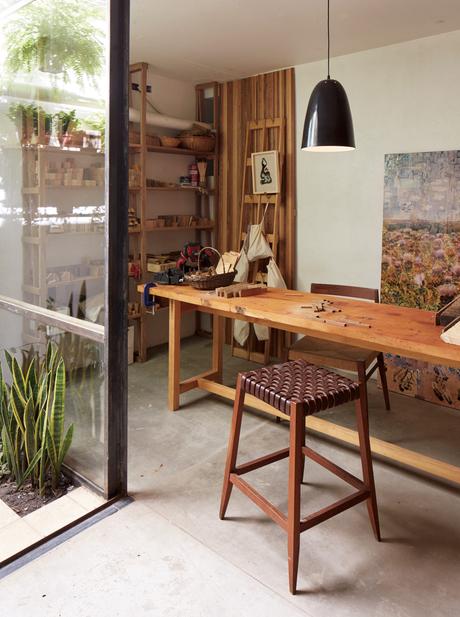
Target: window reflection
x: 52, y: 162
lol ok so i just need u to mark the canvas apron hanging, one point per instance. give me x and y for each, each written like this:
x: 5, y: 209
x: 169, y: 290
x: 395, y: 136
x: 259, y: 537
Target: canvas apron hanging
x: 258, y: 247
x: 241, y: 328
x: 274, y: 279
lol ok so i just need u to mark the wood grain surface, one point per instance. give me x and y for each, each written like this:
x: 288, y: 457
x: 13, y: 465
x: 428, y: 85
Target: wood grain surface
x: 394, y: 329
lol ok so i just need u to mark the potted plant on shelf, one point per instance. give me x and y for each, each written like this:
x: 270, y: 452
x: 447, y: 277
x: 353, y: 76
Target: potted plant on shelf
x: 69, y: 125
x: 61, y: 37
x: 27, y: 119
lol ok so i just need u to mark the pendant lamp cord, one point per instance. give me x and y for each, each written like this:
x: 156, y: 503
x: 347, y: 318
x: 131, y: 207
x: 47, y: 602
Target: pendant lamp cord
x: 328, y: 43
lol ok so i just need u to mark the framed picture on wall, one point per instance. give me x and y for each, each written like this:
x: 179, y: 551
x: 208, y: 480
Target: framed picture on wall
x: 265, y: 172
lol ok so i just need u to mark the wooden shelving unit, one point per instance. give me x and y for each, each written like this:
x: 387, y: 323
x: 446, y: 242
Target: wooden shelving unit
x: 40, y: 255
x: 142, y: 198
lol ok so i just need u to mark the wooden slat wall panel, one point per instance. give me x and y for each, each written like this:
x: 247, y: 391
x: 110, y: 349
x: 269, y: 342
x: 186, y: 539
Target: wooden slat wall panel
x: 256, y: 98
x: 270, y: 95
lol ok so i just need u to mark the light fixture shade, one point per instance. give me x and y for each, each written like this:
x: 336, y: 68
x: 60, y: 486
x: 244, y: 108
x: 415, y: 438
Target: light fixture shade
x: 328, y: 124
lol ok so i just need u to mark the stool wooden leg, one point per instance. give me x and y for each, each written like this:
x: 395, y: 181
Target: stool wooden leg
x: 302, y: 463
x: 296, y: 438
x: 232, y: 449
x: 383, y: 379
x: 362, y: 419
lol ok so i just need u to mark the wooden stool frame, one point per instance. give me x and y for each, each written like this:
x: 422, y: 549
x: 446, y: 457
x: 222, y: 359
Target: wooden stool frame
x: 293, y: 524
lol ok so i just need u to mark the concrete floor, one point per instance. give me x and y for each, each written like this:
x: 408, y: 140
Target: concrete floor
x: 168, y: 554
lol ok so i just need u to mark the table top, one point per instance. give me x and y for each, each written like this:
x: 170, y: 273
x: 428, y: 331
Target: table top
x: 394, y: 329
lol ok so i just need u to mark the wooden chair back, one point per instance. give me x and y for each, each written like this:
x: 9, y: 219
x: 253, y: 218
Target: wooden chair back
x: 347, y: 291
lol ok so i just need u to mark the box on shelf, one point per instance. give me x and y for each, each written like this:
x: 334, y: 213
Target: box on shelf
x: 153, y: 266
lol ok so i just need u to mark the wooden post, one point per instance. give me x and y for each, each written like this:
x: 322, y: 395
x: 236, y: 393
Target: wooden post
x: 174, y: 354
x: 217, y: 345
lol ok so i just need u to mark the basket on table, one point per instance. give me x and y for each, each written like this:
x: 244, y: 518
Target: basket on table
x: 208, y: 282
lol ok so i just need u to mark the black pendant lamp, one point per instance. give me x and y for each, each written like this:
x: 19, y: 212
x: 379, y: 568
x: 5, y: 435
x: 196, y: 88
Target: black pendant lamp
x: 328, y: 124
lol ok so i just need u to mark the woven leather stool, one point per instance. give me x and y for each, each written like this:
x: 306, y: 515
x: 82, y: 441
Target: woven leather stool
x: 298, y: 389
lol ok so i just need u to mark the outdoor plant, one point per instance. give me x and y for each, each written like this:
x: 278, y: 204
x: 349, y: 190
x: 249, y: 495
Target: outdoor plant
x: 56, y: 36
x: 32, y: 409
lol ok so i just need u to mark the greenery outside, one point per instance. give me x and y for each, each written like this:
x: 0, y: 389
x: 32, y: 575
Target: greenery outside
x: 34, y: 441
x: 56, y: 36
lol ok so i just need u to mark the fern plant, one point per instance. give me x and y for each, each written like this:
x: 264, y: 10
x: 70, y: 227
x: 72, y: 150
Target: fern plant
x: 56, y: 36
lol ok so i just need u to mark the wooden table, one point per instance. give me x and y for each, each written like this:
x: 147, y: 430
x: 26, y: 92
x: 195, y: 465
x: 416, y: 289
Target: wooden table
x: 397, y: 330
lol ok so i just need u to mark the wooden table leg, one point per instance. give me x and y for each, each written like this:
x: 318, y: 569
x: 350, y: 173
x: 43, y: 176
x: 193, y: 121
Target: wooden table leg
x: 175, y: 310
x: 217, y: 345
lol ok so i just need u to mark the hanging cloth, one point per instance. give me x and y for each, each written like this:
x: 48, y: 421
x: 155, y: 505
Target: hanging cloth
x: 241, y: 328
x: 242, y: 265
x: 274, y: 276
x: 274, y: 279
x: 258, y: 247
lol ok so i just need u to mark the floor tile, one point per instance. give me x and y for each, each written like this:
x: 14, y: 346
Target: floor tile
x: 86, y: 498
x: 54, y: 515
x: 15, y: 537
x: 7, y: 514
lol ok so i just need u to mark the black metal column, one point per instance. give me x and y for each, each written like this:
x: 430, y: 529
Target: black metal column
x: 116, y: 382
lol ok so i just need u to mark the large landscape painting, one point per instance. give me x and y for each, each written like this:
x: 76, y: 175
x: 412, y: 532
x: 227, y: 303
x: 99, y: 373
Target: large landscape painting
x: 421, y: 257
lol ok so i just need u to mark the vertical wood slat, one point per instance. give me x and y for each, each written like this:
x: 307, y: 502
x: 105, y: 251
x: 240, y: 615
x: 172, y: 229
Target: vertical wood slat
x: 290, y: 205
x: 256, y: 98
x: 224, y: 168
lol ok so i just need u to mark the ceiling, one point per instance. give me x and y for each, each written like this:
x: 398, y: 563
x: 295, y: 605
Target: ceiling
x: 203, y: 40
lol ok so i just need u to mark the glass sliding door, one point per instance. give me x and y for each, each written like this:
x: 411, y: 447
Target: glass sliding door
x: 63, y: 184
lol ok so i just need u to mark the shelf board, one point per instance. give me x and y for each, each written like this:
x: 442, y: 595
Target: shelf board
x: 75, y: 281
x: 64, y: 234
x: 180, y: 189
x: 34, y: 190
x: 134, y: 316
x: 179, y: 151
x: 31, y: 289
x: 64, y: 150
x: 176, y: 228
x: 80, y: 186
x: 181, y: 227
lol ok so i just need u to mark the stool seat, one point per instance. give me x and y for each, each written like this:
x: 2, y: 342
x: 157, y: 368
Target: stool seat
x: 299, y: 382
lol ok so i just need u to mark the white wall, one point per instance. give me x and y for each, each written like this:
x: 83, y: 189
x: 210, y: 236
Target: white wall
x: 404, y: 98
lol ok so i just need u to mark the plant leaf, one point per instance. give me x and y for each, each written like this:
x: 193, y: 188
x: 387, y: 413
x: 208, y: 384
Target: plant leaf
x: 30, y: 468
x: 56, y: 417
x: 65, y: 446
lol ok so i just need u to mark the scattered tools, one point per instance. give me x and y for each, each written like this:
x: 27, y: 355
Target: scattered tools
x: 326, y: 306
x: 321, y: 307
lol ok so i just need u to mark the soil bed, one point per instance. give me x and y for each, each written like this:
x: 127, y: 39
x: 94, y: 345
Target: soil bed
x: 27, y: 499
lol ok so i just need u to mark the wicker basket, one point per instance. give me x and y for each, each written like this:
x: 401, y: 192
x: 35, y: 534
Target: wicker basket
x: 198, y: 143
x: 170, y: 142
x: 210, y: 283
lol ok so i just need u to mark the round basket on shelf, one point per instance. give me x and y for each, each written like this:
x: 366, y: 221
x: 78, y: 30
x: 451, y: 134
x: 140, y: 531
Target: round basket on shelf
x: 198, y: 143
x: 170, y: 142
x: 209, y: 282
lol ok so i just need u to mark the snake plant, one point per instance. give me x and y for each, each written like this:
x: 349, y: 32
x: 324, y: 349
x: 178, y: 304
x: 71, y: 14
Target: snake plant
x: 32, y: 413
